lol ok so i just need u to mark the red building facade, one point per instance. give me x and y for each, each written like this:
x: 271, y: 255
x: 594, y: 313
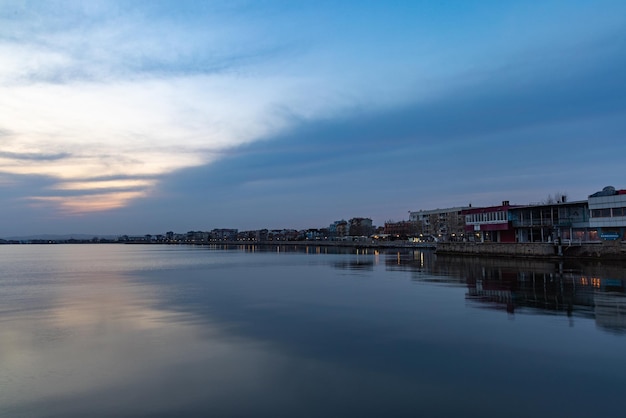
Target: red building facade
x: 489, y: 224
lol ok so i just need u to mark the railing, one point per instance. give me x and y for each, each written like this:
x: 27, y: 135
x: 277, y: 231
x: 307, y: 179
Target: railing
x: 534, y: 222
x: 542, y: 222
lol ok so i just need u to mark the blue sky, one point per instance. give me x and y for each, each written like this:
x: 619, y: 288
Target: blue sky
x: 142, y: 117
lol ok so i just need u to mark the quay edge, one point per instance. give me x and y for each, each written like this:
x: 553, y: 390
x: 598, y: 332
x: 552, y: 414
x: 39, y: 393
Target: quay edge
x: 321, y: 243
x: 595, y: 250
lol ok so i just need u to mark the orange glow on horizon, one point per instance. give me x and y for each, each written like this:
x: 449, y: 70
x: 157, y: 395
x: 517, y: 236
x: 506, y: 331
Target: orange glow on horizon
x: 76, y: 205
x: 105, y: 184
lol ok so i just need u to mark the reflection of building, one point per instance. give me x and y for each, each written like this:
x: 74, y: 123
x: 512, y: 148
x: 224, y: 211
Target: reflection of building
x: 513, y: 289
x: 610, y: 311
x: 603, y: 299
x: 575, y: 289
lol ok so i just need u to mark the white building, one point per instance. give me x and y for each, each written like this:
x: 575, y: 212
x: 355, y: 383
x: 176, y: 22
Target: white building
x: 607, y: 210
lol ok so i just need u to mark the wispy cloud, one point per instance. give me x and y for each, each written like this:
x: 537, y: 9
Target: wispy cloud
x: 33, y: 156
x: 104, y: 185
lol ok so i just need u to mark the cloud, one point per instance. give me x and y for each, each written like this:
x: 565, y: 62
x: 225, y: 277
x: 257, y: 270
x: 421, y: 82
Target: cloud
x: 106, y: 90
x: 490, y: 141
x: 78, y: 205
x: 124, y: 92
x: 33, y: 156
x: 125, y: 184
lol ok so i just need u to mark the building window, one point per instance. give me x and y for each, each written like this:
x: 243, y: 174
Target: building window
x: 619, y: 211
x: 601, y: 213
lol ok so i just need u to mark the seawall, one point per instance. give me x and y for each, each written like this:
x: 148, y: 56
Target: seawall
x: 605, y: 249
x: 322, y: 243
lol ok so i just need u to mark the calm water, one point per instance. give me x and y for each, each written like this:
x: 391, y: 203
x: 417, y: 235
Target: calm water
x: 114, y: 330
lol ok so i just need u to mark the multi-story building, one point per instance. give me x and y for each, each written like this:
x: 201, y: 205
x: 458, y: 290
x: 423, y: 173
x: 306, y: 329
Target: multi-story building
x: 549, y: 222
x: 338, y: 229
x: 492, y: 224
x: 607, y: 210
x: 440, y: 223
x: 197, y: 237
x: 314, y: 234
x: 601, y: 217
x: 361, y: 227
x: 261, y: 234
x: 402, y: 229
x: 223, y: 234
x: 283, y: 235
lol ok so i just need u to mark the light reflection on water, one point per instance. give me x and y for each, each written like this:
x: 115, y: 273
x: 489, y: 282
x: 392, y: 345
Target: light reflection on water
x: 159, y: 330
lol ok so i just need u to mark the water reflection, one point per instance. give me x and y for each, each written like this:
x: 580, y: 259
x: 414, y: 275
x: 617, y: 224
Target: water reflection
x: 191, y: 331
x: 101, y: 348
x: 355, y: 264
x: 574, y: 288
x: 571, y: 287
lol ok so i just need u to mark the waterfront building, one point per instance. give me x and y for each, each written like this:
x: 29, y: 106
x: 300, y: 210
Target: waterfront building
x: 197, y: 237
x: 549, y: 222
x: 600, y: 218
x: 402, y: 229
x: 223, y: 234
x: 247, y: 235
x: 314, y: 234
x: 338, y: 229
x: 283, y: 235
x: 361, y: 227
x: 261, y: 235
x: 489, y: 224
x: 607, y: 210
x: 444, y: 224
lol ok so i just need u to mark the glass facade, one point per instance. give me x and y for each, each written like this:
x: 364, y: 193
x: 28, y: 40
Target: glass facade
x: 486, y: 217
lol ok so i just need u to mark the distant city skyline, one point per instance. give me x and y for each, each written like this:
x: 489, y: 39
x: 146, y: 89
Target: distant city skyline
x: 131, y: 117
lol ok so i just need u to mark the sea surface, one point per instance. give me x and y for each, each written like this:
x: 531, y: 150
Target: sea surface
x: 156, y: 330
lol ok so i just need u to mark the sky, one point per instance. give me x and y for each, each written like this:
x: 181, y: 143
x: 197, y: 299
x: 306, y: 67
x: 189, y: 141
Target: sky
x: 148, y: 116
